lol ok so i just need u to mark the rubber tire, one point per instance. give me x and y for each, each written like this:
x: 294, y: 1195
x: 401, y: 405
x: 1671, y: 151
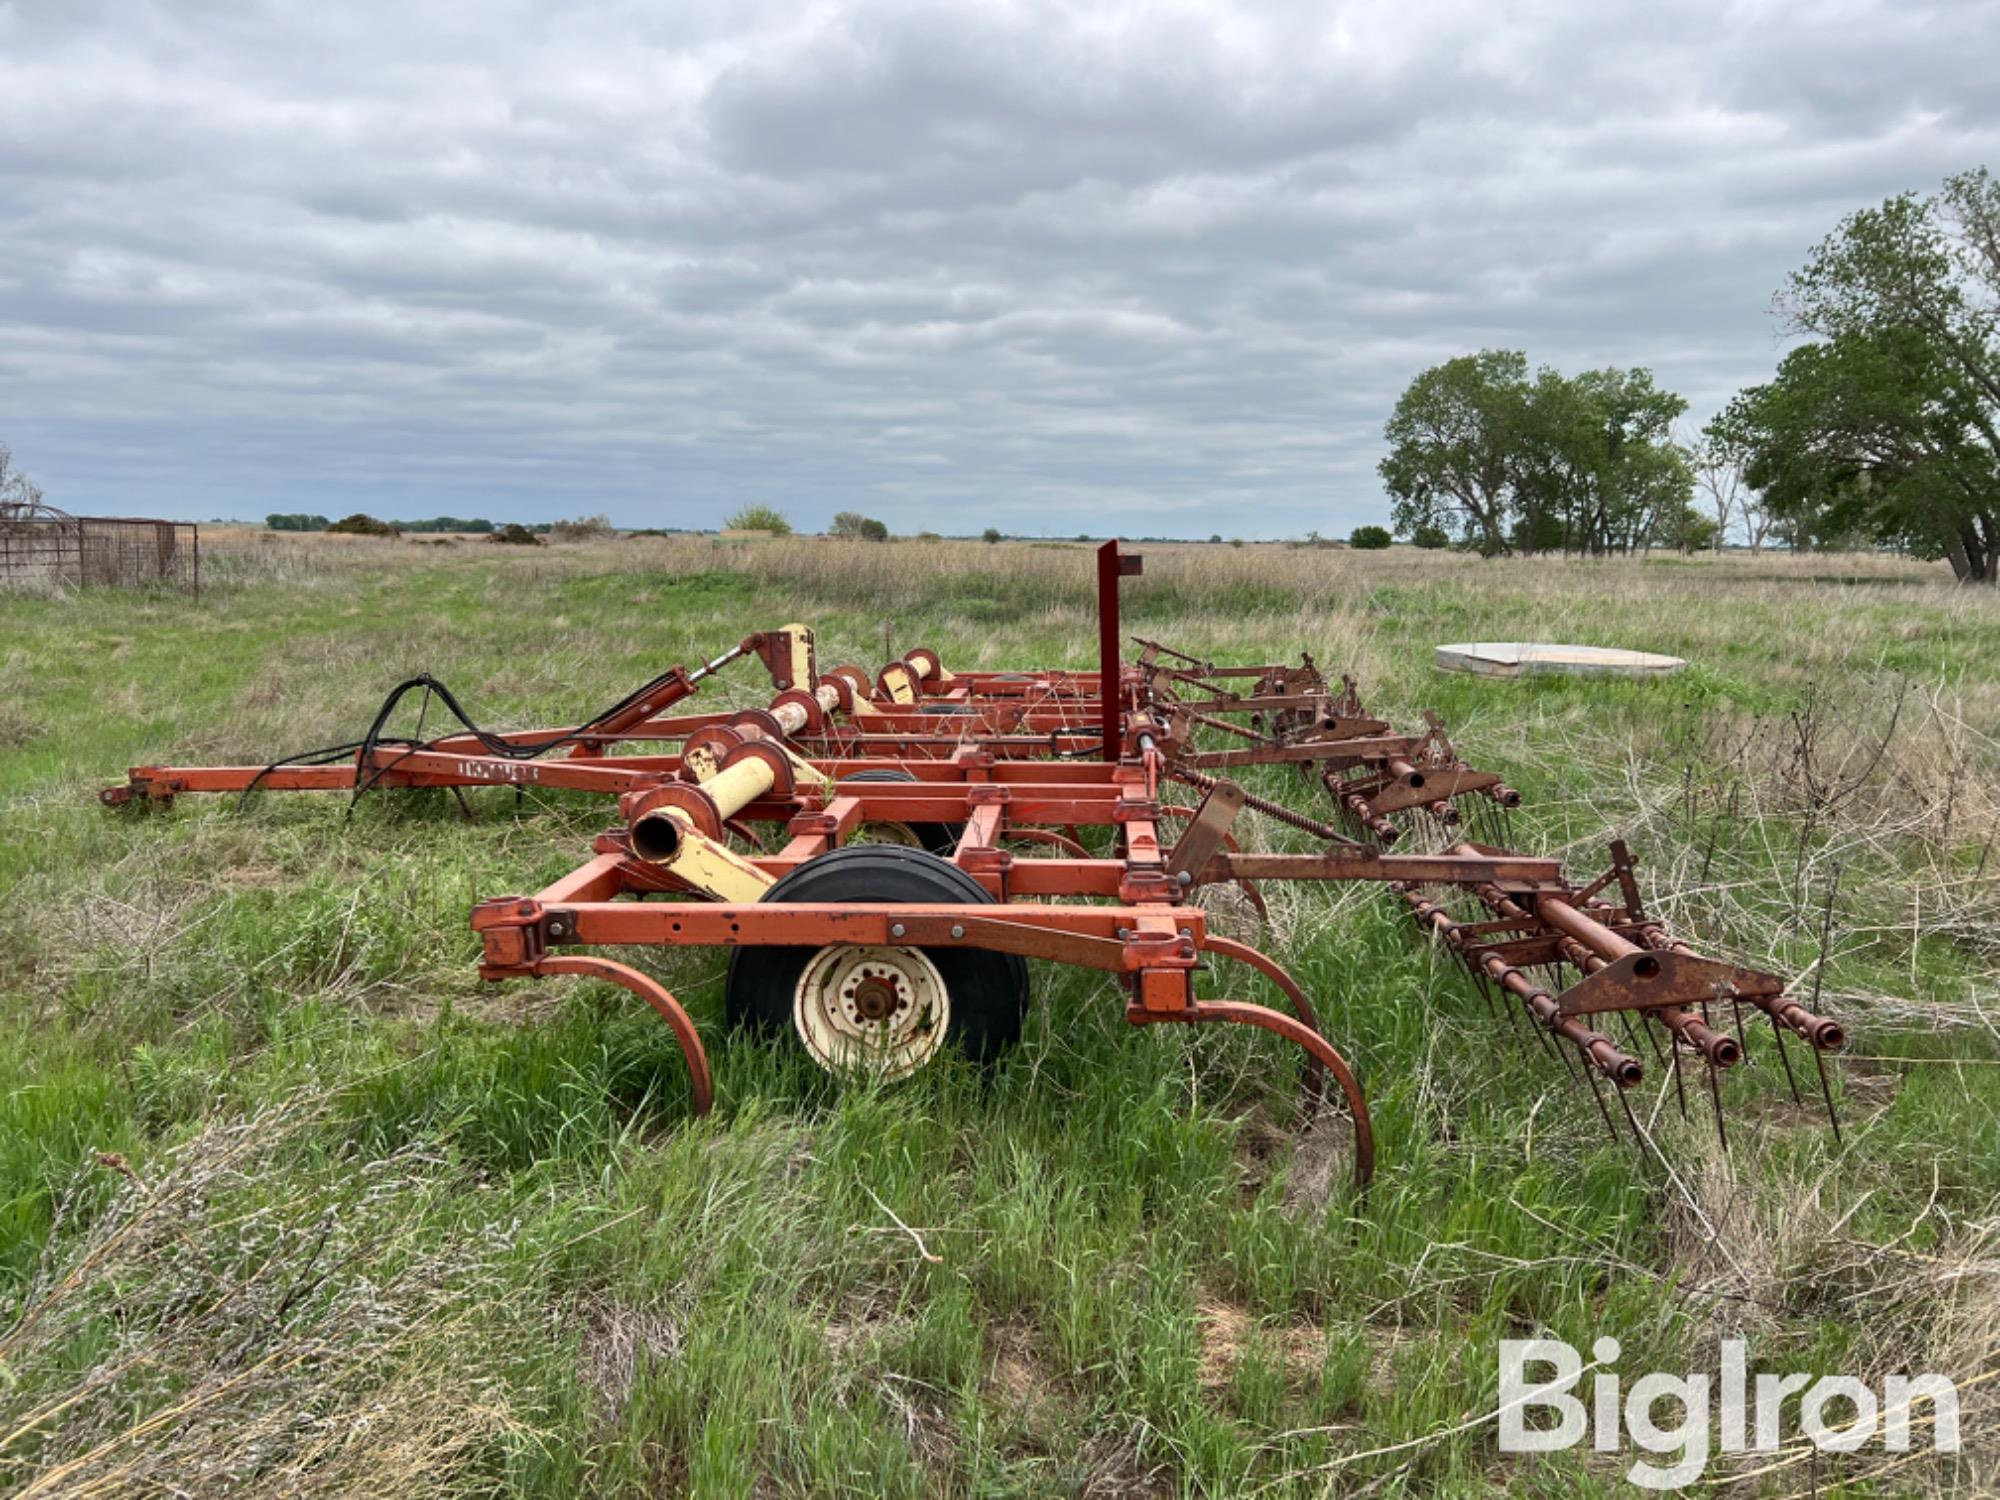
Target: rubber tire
x: 988, y: 991
x: 937, y: 838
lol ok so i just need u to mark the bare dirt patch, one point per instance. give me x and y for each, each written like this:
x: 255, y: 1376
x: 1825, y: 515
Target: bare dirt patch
x: 1228, y: 1332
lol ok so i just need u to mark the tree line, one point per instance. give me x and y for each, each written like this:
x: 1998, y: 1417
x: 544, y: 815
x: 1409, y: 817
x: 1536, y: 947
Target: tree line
x: 301, y: 521
x: 1882, y: 429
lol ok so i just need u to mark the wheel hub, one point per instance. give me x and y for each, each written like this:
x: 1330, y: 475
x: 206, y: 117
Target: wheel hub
x: 876, y: 1011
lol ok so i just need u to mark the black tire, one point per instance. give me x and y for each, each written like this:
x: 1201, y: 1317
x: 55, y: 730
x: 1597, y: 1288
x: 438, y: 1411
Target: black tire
x: 989, y: 991
x: 936, y: 838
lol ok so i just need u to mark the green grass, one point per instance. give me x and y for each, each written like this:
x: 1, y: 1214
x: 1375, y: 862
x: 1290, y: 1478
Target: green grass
x: 287, y: 1197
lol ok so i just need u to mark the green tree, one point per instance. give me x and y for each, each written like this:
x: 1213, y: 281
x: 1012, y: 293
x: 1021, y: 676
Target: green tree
x: 1596, y: 468
x: 760, y: 518
x: 1370, y: 538
x: 1686, y: 530
x: 1888, y: 424
x: 854, y: 526
x: 1452, y: 437
x: 363, y: 524
x: 1872, y: 437
x: 1430, y: 538
x: 1584, y: 463
x: 991, y: 534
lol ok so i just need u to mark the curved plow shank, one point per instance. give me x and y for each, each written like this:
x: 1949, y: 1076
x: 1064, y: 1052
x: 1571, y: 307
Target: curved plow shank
x: 1272, y: 970
x: 1317, y: 1047
x: 654, y: 994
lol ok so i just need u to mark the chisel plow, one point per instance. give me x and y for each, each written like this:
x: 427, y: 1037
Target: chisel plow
x: 881, y: 853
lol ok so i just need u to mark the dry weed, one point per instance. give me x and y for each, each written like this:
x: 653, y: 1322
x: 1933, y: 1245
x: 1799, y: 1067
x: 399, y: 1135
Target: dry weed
x: 220, y: 1326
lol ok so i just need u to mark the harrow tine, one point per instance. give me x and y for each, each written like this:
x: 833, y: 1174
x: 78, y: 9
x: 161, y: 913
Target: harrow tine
x: 1632, y: 1120
x: 1819, y: 978
x: 1597, y: 1095
x: 1485, y: 988
x: 1786, y: 1058
x: 1715, y: 1102
x: 1569, y: 1065
x: 1633, y: 1033
x: 1646, y: 1031
x: 1826, y: 1092
x: 1541, y: 1037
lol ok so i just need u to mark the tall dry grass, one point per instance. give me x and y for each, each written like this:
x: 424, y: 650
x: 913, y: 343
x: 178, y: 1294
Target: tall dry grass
x: 1050, y: 572
x: 224, y: 1326
x: 1332, y: 601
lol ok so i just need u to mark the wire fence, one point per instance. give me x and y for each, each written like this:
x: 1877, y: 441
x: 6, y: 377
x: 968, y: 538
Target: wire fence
x: 55, y: 552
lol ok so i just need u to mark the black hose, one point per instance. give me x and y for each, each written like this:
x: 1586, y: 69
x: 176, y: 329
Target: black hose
x: 494, y: 745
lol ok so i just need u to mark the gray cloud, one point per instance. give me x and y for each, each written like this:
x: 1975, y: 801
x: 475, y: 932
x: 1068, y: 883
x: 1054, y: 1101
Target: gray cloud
x: 1036, y: 265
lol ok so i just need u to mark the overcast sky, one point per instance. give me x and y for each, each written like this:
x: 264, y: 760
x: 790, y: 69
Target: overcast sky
x: 1062, y: 267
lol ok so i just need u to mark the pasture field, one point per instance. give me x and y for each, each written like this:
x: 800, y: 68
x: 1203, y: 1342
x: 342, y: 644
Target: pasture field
x: 291, y: 1203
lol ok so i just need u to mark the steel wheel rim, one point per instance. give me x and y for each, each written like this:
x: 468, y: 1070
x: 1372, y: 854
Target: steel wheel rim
x: 870, y: 1011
